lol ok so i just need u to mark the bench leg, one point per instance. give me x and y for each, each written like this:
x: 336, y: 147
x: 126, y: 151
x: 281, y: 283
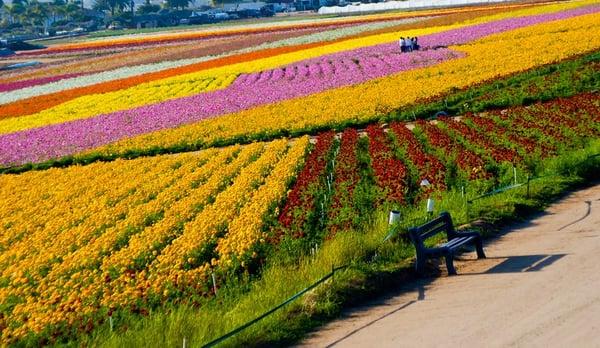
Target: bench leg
x: 450, y: 264
x: 479, y: 247
x: 420, y: 265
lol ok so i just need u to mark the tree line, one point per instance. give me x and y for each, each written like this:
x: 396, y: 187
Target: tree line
x: 36, y: 13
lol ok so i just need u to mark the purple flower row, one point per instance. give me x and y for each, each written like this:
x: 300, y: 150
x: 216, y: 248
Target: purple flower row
x: 11, y: 86
x: 251, y: 90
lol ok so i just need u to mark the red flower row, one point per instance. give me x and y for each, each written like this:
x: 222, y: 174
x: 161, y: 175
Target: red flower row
x: 391, y: 174
x: 429, y: 167
x: 476, y: 138
x: 465, y: 159
x: 300, y: 202
x: 346, y: 174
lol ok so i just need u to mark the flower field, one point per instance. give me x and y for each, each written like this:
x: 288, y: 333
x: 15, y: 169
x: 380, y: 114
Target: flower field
x: 293, y: 97
x: 103, y: 240
x: 144, y: 171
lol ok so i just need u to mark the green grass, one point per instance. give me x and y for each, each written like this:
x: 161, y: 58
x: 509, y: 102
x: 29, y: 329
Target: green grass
x: 374, y: 267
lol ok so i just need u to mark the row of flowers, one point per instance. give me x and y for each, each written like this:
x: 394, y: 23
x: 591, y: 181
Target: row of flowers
x: 342, y: 213
x: 295, y: 216
x: 391, y: 174
x: 429, y: 167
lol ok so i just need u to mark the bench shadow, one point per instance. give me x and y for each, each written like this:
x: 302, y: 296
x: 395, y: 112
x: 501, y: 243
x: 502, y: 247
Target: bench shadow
x: 521, y: 263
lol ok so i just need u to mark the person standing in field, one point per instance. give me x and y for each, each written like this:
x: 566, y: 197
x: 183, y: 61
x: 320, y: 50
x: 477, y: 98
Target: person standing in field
x: 402, y: 45
x: 415, y: 44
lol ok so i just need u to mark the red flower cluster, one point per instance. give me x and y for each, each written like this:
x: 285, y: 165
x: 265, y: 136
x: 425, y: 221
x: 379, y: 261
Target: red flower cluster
x: 476, y: 138
x: 391, y: 174
x: 466, y: 159
x: 301, y: 201
x: 429, y: 166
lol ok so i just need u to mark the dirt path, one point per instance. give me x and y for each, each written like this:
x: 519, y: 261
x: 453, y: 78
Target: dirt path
x: 540, y: 286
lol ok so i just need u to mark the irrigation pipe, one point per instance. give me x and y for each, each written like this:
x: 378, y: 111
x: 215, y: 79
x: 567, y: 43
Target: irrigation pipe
x: 273, y: 310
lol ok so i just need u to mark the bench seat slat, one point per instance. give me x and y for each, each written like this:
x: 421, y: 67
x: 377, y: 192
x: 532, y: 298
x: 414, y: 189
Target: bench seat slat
x: 456, y: 242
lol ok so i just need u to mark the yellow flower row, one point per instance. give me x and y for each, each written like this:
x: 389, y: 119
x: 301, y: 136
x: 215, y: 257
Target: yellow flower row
x: 487, y: 59
x: 153, y: 213
x: 245, y: 230
x: 199, y: 231
x: 221, y: 77
x: 102, y: 103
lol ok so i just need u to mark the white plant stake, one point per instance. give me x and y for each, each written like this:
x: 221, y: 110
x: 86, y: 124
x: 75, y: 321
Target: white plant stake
x: 214, y: 283
x: 430, y: 205
x: 394, y: 217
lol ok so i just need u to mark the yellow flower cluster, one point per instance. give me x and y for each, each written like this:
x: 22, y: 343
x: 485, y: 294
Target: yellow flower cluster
x: 108, y: 233
x: 492, y: 57
x: 221, y: 77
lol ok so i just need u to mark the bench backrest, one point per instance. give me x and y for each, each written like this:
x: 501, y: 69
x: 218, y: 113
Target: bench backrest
x: 443, y: 223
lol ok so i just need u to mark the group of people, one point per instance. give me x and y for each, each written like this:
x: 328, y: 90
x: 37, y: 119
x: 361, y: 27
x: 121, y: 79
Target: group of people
x: 409, y: 44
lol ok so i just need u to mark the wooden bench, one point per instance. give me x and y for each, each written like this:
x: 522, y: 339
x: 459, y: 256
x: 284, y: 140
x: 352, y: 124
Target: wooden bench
x: 456, y: 240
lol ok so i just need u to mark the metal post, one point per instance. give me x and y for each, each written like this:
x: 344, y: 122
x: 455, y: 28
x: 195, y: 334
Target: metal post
x: 528, y: 180
x: 184, y: 342
x: 515, y: 174
x: 110, y: 323
x: 467, y: 209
